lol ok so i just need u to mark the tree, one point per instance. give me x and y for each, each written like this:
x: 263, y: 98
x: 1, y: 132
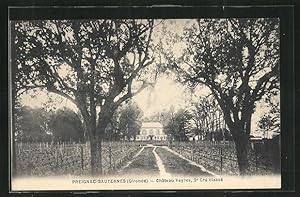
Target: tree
x: 32, y: 125
x: 93, y: 63
x: 112, y: 131
x: 206, y: 117
x: 130, y: 120
x: 178, y: 125
x: 238, y: 60
x: 65, y: 125
x: 198, y: 117
x: 270, y: 122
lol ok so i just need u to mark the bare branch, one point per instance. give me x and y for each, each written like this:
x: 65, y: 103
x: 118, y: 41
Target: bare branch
x: 261, y: 84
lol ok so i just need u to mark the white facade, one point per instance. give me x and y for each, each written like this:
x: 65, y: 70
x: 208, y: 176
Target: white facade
x: 151, y: 131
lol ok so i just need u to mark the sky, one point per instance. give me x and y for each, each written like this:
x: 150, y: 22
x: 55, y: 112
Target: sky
x: 163, y: 95
x: 166, y: 93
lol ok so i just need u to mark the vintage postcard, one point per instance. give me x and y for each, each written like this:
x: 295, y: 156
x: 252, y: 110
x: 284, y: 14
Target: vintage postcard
x: 145, y: 104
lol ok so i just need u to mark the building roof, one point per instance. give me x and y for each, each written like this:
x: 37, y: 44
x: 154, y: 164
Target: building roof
x: 152, y: 125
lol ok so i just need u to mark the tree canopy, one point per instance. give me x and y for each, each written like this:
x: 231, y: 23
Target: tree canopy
x: 96, y: 64
x: 178, y: 125
x: 238, y: 60
x: 65, y: 125
x: 32, y: 125
x: 130, y: 120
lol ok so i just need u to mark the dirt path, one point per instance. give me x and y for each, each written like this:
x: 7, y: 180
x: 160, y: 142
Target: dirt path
x: 163, y: 162
x: 143, y: 164
x: 176, y: 164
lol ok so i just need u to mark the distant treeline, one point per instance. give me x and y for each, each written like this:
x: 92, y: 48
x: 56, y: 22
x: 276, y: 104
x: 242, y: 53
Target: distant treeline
x: 41, y: 125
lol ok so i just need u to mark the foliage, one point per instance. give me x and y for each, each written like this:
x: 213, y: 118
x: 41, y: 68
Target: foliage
x: 40, y: 125
x: 93, y: 63
x: 32, y: 125
x: 178, y: 125
x: 130, y: 120
x: 203, y: 115
x: 270, y: 122
x: 238, y: 60
x: 112, y: 131
x: 65, y: 125
x: 126, y: 122
x: 239, y: 64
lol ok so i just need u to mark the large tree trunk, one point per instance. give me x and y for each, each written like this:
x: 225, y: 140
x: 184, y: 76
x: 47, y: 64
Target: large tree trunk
x: 242, y: 156
x: 96, y: 156
x: 96, y: 138
x: 96, y: 141
x: 95, y: 148
x: 241, y: 136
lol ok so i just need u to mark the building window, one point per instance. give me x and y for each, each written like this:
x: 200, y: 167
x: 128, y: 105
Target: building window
x: 144, y: 132
x: 150, y: 131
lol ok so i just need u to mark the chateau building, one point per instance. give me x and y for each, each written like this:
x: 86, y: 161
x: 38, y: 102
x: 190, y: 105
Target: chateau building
x: 151, y: 131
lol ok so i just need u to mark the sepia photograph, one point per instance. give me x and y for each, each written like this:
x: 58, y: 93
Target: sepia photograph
x: 145, y: 104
